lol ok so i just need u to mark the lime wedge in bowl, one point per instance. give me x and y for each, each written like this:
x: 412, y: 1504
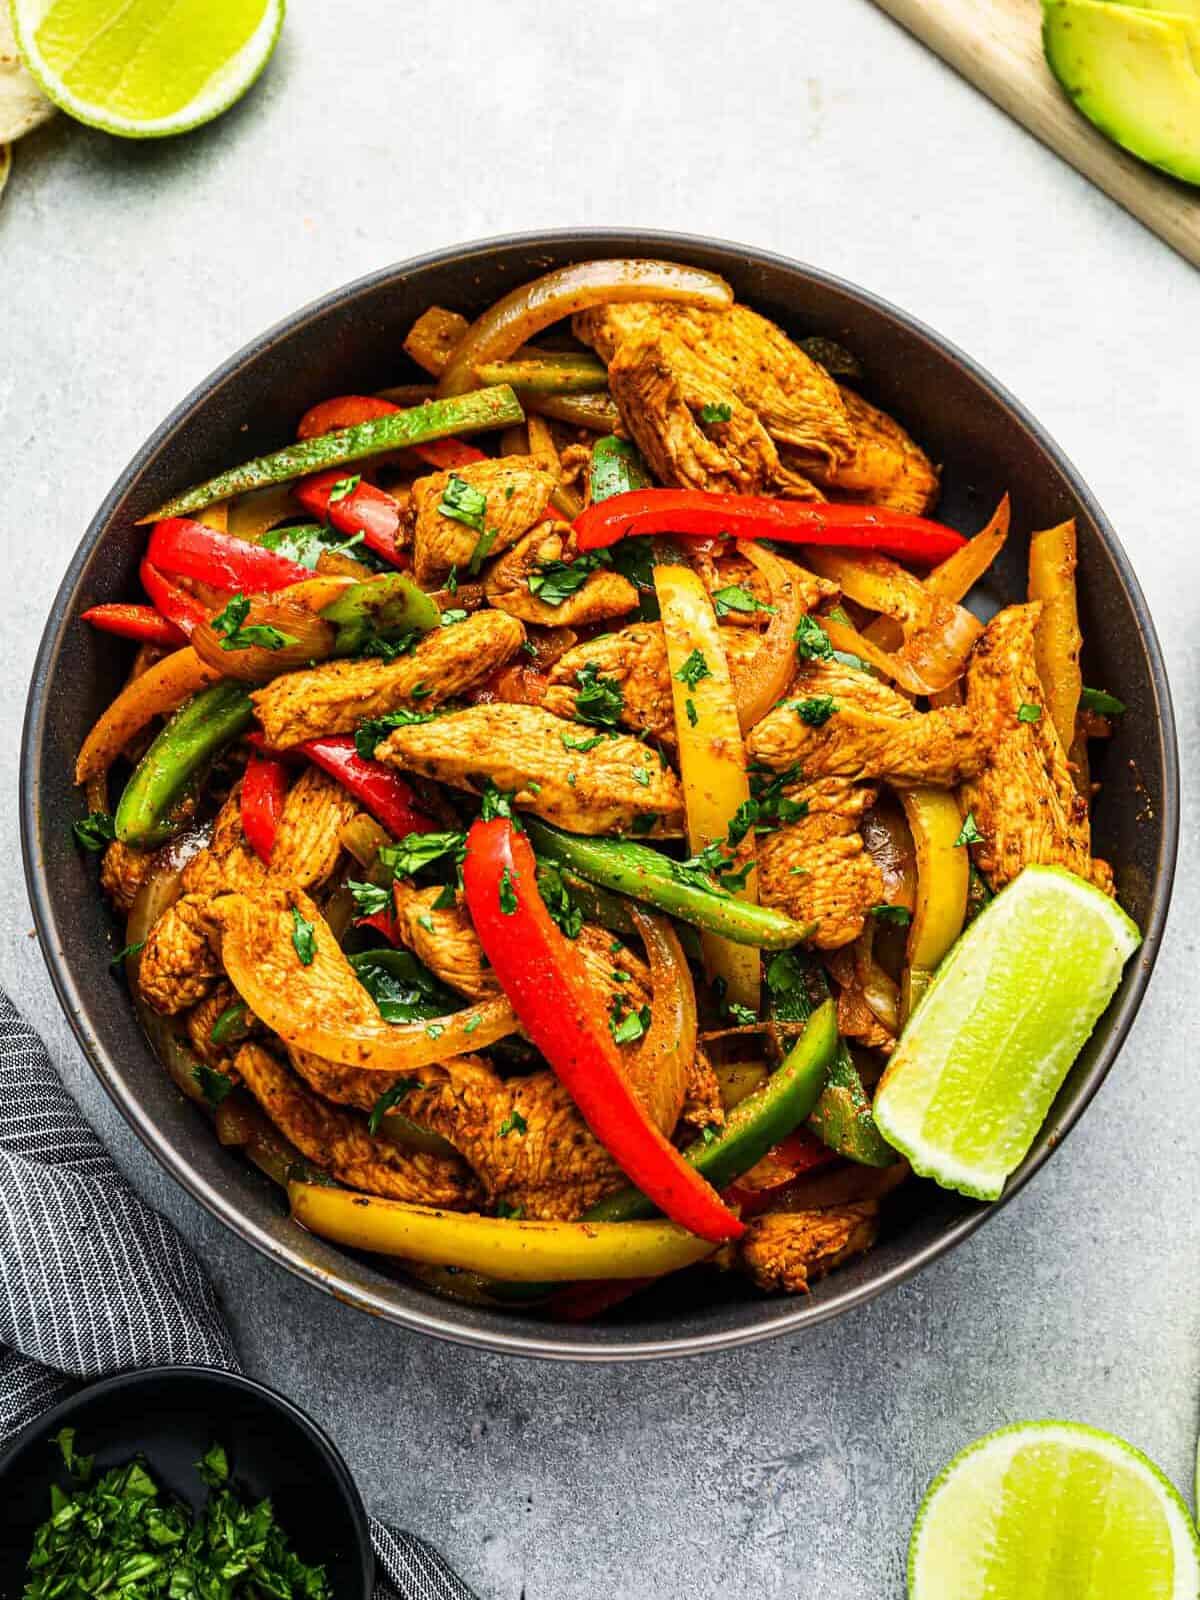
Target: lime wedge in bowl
x: 987, y: 1049
x: 146, y: 68
x: 1052, y: 1511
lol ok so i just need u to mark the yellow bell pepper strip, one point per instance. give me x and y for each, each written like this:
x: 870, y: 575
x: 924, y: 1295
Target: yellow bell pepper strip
x: 712, y: 759
x: 645, y: 874
x: 1057, y: 640
x: 525, y: 311
x: 545, y: 979
x: 842, y: 1116
x: 943, y: 871
x: 398, y: 430
x: 208, y: 722
x: 157, y: 692
x: 754, y: 1126
x: 496, y: 1247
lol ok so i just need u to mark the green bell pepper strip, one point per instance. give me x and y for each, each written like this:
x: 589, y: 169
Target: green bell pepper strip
x: 616, y: 468
x: 643, y: 874
x: 578, y: 375
x: 842, y: 1117
x: 391, y: 604
x: 232, y: 1026
x: 400, y: 430
x: 200, y: 728
x: 611, y: 911
x: 753, y: 1127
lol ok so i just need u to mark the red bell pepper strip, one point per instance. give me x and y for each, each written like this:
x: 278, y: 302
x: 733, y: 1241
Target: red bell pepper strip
x: 700, y: 514
x: 383, y: 922
x: 799, y: 1153
x: 136, y: 622
x: 545, y: 979
x: 382, y: 792
x: 170, y: 601
x: 264, y: 789
x: 347, y: 410
x: 365, y: 509
x: 189, y: 549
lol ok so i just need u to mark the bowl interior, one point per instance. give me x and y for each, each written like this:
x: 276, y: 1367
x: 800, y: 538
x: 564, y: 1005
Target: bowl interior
x: 352, y: 342
x: 171, y: 1416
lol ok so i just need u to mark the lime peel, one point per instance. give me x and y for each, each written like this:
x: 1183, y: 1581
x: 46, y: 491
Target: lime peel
x: 984, y: 1054
x: 144, y: 69
x: 1046, y: 1510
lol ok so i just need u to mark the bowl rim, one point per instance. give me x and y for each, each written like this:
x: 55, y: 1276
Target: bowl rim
x: 549, y: 1341
x: 66, y: 1411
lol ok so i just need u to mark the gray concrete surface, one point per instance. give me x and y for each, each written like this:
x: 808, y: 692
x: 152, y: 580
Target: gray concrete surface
x: 127, y: 272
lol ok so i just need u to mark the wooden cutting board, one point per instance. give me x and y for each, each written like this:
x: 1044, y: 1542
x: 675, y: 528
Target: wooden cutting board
x: 997, y: 46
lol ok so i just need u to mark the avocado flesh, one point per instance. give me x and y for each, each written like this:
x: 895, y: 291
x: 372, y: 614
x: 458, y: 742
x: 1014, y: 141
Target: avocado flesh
x: 1135, y: 72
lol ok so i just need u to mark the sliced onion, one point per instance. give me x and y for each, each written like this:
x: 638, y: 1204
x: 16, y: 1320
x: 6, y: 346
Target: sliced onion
x: 157, y: 692
x: 664, y: 1057
x: 851, y: 642
x: 959, y: 573
x: 764, y: 681
x: 520, y: 315
x: 310, y: 638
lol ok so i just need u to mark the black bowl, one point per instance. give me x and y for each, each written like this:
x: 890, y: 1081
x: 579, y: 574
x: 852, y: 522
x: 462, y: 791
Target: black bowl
x: 171, y: 1415
x: 351, y: 341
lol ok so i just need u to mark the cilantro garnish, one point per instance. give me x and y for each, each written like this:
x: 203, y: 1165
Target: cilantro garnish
x: 693, y: 716
x: 1028, y: 712
x: 230, y: 623
x: 514, y: 1122
x: 495, y: 802
x: 214, y: 1085
x: 627, y: 1026
x: 388, y: 1099
x: 599, y: 701
x: 812, y: 642
x: 304, y: 938
x: 558, y: 901
x: 718, y: 412
x: 482, y: 549
x: 734, y: 598
x: 553, y: 582
x: 371, y: 733
x: 416, y: 850
x: 571, y: 743
x: 693, y: 669
x: 899, y: 916
x: 508, y: 895
x: 816, y: 710
x: 369, y: 899
x: 641, y: 775
x: 969, y: 833
x: 462, y: 502
x: 343, y: 487
x: 95, y: 831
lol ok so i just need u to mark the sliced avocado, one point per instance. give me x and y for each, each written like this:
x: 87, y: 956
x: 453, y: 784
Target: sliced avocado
x: 1135, y: 72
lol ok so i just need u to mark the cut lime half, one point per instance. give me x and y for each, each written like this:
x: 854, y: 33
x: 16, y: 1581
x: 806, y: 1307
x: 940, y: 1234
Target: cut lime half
x: 987, y: 1049
x: 146, y: 68
x: 1052, y: 1511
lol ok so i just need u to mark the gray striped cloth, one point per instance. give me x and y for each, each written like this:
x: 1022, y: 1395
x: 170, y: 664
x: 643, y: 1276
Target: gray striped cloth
x: 92, y: 1281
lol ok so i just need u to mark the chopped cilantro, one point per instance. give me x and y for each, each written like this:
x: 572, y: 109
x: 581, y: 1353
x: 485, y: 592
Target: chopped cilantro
x: 709, y: 1133
x: 435, y: 1030
x: 387, y: 649
x: 558, y: 901
x: 1027, y: 712
x: 718, y: 412
x: 462, y: 502
x: 812, y: 642
x: 627, y: 1026
x: 304, y: 938
x: 214, y: 1085
x: 571, y: 743
x: 375, y: 730
x: 646, y: 822
x: 425, y: 921
x: 599, y: 701
x: 369, y: 899
x: 509, y: 1213
x: 508, y: 895
x: 126, y: 951
x: 452, y: 580
x: 969, y: 833
x: 230, y: 623
x: 420, y: 691
x: 816, y: 710
x: 734, y: 598
x: 641, y: 775
x: 388, y: 1099
x: 899, y: 916
x: 446, y: 900
x: 343, y: 487
x: 742, y: 1015
x: 482, y: 550
x: 95, y: 832
x: 495, y: 802
x: 232, y: 1026
x: 514, y: 1122
x: 693, y: 669
x: 449, y: 618
x: 402, y: 987
x: 416, y: 850
x: 553, y: 582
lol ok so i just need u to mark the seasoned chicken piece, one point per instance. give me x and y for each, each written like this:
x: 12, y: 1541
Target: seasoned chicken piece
x: 178, y: 966
x: 199, y: 1023
x: 845, y: 723
x: 360, y: 1087
x: 789, y: 1250
x: 336, y: 696
x: 729, y: 569
x: 635, y: 658
x: 121, y: 872
x: 667, y: 363
x: 850, y: 969
x: 533, y: 755
x: 517, y: 490
x: 1024, y: 801
x: 338, y: 1141
x: 174, y: 973
x: 817, y: 868
x: 888, y: 468
x: 603, y: 593
x: 524, y: 1139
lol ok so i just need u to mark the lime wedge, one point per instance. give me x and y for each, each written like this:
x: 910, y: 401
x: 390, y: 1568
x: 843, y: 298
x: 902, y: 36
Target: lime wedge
x: 1052, y: 1511
x: 146, y: 68
x: 980, y: 1062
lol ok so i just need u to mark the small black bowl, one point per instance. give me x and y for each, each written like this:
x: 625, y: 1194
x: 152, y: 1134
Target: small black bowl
x: 170, y: 1416
x: 350, y: 342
